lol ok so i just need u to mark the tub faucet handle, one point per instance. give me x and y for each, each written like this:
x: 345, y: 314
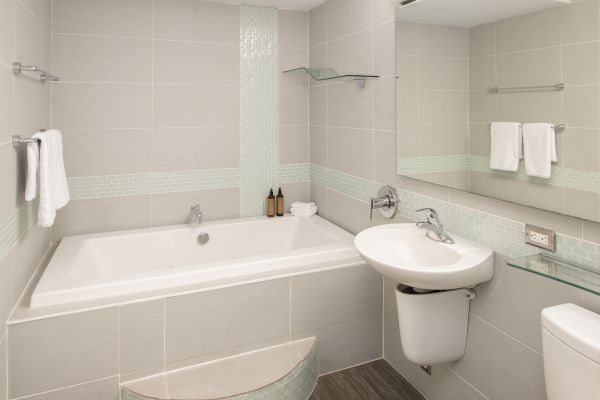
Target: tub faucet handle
x: 196, y: 214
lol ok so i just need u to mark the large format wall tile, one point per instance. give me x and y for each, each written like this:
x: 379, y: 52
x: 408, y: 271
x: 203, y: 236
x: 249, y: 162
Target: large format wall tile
x: 348, y: 322
x: 351, y: 151
x: 6, y: 104
x: 209, y: 324
x: 3, y: 364
x: 141, y: 338
x: 105, y: 389
x: 131, y: 18
x: 62, y: 351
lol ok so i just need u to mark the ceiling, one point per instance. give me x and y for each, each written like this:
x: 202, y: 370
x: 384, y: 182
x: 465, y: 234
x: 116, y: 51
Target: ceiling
x: 469, y: 13
x: 303, y: 5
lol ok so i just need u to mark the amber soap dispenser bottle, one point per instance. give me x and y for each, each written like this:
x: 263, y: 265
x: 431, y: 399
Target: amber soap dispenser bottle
x: 280, y: 204
x: 271, y: 205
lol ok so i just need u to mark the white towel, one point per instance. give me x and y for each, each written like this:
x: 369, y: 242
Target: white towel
x: 303, y: 206
x: 539, y: 147
x: 303, y: 211
x: 506, y: 146
x: 47, y: 157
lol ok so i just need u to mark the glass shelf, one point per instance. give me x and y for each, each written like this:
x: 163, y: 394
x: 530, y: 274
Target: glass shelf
x: 329, y: 74
x: 580, y: 276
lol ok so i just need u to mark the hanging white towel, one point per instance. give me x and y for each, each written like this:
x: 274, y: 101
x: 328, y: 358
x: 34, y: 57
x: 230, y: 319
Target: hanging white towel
x: 53, y: 191
x: 539, y: 147
x: 506, y: 146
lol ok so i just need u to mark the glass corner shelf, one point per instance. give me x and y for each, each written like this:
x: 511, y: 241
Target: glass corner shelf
x: 330, y: 74
x: 580, y: 276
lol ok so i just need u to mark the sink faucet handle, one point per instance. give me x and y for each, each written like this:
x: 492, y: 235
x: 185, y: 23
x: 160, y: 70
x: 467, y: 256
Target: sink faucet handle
x: 195, y: 207
x: 432, y: 213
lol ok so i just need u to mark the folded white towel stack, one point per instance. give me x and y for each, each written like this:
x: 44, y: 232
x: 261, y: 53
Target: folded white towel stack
x: 506, y: 146
x: 47, y: 157
x: 303, y: 209
x: 539, y: 147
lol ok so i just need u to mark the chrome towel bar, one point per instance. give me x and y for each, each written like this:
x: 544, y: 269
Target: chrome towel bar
x: 18, y: 140
x: 18, y: 68
x: 496, y: 89
x: 557, y: 128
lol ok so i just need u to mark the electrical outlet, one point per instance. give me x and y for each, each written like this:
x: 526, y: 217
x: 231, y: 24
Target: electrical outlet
x: 540, y: 237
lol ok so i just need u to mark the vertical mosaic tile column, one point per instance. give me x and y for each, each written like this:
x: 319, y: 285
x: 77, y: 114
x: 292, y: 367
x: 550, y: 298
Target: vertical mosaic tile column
x: 259, y: 107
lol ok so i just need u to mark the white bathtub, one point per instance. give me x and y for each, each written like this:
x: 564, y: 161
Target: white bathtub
x: 105, y: 265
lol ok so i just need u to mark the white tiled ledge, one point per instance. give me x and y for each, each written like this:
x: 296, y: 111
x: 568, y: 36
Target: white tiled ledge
x: 284, y: 372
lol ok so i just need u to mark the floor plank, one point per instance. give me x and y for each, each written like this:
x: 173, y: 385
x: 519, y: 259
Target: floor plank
x: 376, y: 380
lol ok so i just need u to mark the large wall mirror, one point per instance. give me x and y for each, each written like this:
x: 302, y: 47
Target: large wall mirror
x: 462, y: 65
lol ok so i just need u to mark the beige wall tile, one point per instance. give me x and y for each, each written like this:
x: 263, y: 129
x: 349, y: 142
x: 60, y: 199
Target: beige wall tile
x: 318, y: 195
x: 482, y: 40
x: 318, y: 105
x: 32, y: 105
x: 443, y: 73
x: 385, y: 103
x: 591, y: 231
x: 483, y: 107
x: 443, y: 107
x: 28, y: 37
x: 582, y: 204
x: 101, y: 59
x: 529, y: 106
x: 3, y: 367
x: 580, y: 149
x: 318, y: 24
x: 105, y: 389
x: 581, y: 106
x: 131, y: 18
x: 482, y: 73
x: 442, y: 41
x: 348, y: 213
x: 492, y: 353
x: 196, y: 20
x: 174, y: 208
x: 348, y: 326
x: 293, y: 105
x: 7, y: 122
x: 42, y: 11
x: 293, y: 192
x: 27, y: 255
x: 187, y: 63
x: 11, y: 176
x: 214, y: 148
x: 101, y: 215
x: 213, y: 322
x: 513, y: 302
x: 462, y: 390
x: 318, y: 59
x: 318, y: 145
x: 407, y: 70
x: 196, y: 106
x: 57, y: 352
x: 385, y: 157
x: 452, y: 179
x: 107, y: 152
x: 88, y: 106
x: 531, y: 193
x: 479, y: 139
x: 293, y: 29
x: 407, y: 38
x: 352, y: 54
x: 291, y: 58
x: 483, y: 184
x: 579, y: 22
x: 383, y: 11
x: 384, y: 37
x: 443, y: 139
x: 407, y: 140
x: 7, y: 23
x: 528, y: 31
x: 529, y: 68
x: 347, y: 16
x: 141, y: 338
x: 293, y: 144
x: 350, y: 106
x: 591, y: 301
x: 351, y: 151
x: 580, y: 64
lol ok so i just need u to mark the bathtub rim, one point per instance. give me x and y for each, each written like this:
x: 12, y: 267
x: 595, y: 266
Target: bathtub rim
x: 22, y: 312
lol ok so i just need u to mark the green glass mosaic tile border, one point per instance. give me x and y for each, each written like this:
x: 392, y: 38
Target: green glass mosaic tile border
x: 503, y: 235
x: 588, y: 181
x: 259, y: 106
x: 15, y: 227
x: 91, y: 187
x: 432, y: 164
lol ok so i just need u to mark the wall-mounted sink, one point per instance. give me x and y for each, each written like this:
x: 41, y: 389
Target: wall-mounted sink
x: 406, y: 255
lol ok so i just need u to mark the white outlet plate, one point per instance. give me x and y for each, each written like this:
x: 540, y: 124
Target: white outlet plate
x: 540, y: 237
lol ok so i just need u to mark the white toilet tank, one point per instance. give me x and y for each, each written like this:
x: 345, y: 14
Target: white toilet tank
x: 571, y: 343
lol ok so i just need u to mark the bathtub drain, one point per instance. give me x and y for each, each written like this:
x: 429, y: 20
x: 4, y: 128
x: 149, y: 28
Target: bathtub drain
x: 203, y: 238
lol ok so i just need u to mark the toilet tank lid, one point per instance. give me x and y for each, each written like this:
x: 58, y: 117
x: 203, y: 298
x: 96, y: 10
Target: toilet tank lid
x: 576, y: 327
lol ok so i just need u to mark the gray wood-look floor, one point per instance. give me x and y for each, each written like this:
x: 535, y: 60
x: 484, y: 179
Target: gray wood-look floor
x: 376, y: 380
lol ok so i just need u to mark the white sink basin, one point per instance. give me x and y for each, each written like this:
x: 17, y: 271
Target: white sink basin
x: 404, y: 254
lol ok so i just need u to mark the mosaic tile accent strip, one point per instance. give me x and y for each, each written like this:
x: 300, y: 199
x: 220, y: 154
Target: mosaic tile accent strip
x: 90, y: 187
x: 15, y: 227
x: 352, y: 186
x: 290, y: 173
x: 259, y: 107
x: 503, y: 235
x: 588, y: 181
x: 431, y: 164
x: 297, y: 385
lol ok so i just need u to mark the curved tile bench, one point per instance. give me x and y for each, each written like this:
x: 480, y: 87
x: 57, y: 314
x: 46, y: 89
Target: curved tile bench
x: 284, y: 372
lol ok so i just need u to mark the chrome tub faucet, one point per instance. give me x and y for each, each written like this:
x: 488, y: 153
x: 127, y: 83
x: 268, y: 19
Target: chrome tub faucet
x: 195, y: 214
x: 433, y: 226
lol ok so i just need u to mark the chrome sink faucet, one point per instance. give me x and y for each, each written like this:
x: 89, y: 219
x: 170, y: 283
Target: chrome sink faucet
x: 433, y: 226
x: 195, y: 214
